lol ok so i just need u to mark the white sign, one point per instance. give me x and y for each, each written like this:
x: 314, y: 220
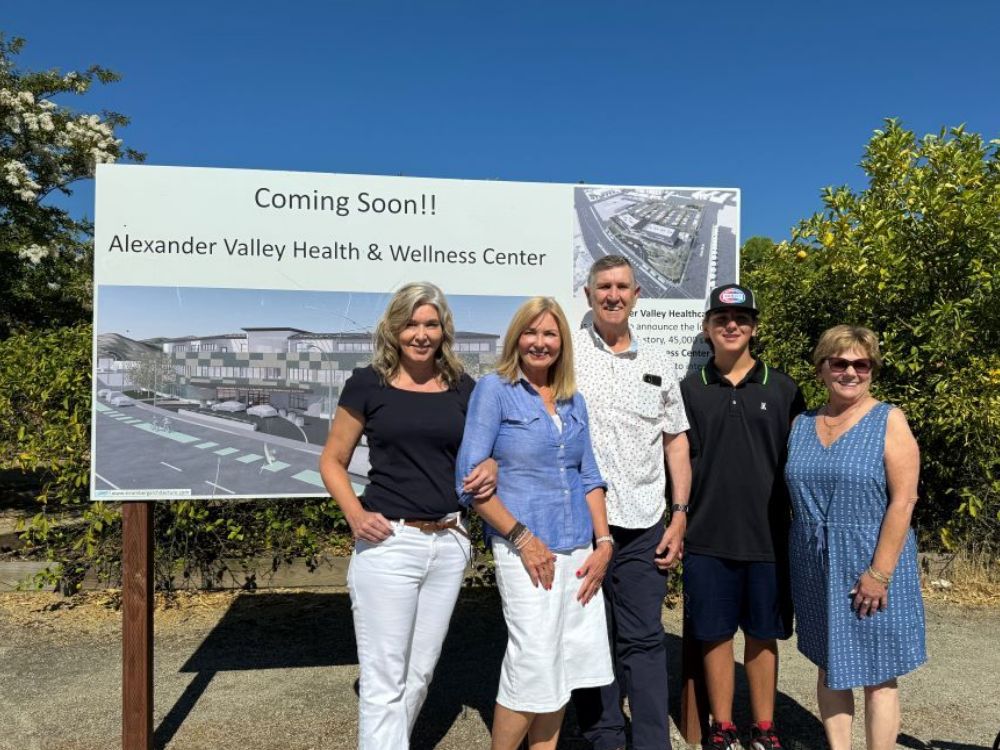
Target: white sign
x: 231, y: 305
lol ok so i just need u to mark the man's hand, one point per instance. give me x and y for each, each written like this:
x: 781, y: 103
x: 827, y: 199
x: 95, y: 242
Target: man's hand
x: 670, y: 550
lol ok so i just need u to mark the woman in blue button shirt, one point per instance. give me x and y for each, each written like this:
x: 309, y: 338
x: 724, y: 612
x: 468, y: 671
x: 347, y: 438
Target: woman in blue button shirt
x: 541, y: 524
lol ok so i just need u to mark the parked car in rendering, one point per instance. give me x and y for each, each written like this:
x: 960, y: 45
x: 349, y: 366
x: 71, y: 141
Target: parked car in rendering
x: 262, y: 410
x: 230, y: 406
x: 116, y: 398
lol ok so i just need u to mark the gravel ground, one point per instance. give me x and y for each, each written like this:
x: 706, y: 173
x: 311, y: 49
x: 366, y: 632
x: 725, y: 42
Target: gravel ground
x: 278, y: 670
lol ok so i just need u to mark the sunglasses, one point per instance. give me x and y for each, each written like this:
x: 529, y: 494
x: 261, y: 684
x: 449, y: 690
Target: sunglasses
x: 839, y: 365
x: 723, y: 318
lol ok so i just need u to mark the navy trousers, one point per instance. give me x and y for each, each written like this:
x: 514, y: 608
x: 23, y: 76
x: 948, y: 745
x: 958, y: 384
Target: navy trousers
x: 633, y: 589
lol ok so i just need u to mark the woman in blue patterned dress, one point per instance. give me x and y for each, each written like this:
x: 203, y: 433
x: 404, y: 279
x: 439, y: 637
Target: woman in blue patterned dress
x: 852, y: 472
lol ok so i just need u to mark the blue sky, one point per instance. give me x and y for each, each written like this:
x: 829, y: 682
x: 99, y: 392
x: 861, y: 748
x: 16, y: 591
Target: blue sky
x: 777, y: 99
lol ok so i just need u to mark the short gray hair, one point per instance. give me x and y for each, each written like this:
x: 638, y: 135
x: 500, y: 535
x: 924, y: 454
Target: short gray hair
x: 606, y: 264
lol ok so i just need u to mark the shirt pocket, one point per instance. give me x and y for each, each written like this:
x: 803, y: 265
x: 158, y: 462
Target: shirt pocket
x: 520, y: 420
x: 647, y: 402
x: 522, y: 433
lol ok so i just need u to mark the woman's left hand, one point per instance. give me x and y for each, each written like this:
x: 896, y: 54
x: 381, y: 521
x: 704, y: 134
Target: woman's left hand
x: 592, y: 572
x: 870, y: 596
x: 481, y: 482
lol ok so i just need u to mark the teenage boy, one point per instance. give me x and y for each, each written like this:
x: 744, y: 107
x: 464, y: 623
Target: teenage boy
x: 735, y: 563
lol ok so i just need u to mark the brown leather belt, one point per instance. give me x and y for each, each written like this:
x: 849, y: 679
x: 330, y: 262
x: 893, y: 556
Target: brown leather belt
x: 429, y: 527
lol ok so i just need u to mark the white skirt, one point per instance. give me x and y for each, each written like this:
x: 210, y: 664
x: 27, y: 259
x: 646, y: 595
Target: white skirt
x: 555, y: 644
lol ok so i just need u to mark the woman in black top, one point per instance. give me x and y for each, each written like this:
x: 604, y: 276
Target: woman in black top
x: 411, y: 546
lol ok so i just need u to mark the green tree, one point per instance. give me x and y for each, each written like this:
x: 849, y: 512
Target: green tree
x: 45, y: 432
x: 154, y: 372
x: 755, y: 252
x: 45, y: 147
x: 45, y: 358
x: 914, y: 255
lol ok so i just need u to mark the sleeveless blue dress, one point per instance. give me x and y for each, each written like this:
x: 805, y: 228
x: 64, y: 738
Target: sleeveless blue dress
x: 838, y: 503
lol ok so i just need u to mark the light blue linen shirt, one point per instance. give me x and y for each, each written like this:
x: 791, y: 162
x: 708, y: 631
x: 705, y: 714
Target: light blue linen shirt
x: 543, y: 474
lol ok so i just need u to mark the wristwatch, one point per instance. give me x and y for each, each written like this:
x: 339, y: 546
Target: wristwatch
x: 678, y: 508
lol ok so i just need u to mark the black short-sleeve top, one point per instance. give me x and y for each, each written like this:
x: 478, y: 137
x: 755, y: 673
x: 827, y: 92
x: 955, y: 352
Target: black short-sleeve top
x: 413, y: 440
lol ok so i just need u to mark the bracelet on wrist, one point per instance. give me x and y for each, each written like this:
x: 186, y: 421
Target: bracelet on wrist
x: 606, y: 538
x: 680, y: 508
x: 880, y: 577
x: 522, y: 541
x: 515, y: 532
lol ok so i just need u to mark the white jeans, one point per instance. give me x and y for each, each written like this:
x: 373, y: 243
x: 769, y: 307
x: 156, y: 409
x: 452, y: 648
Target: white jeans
x: 403, y: 591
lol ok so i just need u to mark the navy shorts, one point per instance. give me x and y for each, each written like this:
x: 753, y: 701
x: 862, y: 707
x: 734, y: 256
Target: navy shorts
x: 721, y: 595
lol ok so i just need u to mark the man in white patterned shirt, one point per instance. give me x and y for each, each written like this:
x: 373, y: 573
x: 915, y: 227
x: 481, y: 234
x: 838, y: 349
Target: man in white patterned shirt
x: 637, y: 425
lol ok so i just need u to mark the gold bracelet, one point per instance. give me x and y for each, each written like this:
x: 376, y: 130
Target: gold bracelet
x: 880, y: 577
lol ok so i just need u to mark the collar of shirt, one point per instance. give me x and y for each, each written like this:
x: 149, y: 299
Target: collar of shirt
x: 562, y: 406
x: 600, y: 343
x: 710, y: 375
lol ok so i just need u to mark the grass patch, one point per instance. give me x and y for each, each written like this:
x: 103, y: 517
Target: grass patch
x: 968, y: 577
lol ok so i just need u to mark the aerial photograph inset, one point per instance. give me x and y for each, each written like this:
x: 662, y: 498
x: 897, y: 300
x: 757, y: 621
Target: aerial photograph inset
x: 213, y: 393
x: 681, y: 242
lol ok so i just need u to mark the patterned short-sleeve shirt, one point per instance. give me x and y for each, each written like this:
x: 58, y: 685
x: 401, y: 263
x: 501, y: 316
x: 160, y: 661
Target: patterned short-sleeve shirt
x: 633, y: 398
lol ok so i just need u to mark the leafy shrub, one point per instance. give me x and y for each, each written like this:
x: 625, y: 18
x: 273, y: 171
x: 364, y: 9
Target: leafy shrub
x: 914, y: 256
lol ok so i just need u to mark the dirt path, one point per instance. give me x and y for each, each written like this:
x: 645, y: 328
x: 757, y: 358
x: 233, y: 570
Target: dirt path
x: 277, y: 670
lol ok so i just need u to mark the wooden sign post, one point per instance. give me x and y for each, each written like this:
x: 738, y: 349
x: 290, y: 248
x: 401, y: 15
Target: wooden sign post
x: 137, y: 625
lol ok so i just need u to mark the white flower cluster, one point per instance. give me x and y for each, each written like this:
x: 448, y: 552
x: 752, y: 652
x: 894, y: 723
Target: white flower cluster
x: 25, y: 113
x: 79, y: 84
x: 34, y: 254
x: 49, y: 130
x: 18, y: 176
x: 93, y: 135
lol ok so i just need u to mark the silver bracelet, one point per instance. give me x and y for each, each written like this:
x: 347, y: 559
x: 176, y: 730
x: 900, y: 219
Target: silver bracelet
x: 606, y: 538
x: 522, y: 541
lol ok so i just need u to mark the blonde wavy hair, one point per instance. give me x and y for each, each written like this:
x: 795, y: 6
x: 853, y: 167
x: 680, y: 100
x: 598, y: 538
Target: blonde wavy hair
x: 385, y: 342
x: 840, y: 338
x: 561, y: 378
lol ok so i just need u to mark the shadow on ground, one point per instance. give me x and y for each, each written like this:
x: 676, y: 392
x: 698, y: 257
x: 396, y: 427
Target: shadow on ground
x: 287, y: 630
x: 282, y: 631
x: 800, y: 729
x: 905, y: 740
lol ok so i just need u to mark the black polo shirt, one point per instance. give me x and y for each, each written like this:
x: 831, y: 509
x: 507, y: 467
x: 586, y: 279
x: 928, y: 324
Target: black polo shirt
x: 738, y: 436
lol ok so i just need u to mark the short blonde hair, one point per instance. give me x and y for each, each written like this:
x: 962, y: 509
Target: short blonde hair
x: 561, y: 377
x: 385, y: 357
x: 840, y: 338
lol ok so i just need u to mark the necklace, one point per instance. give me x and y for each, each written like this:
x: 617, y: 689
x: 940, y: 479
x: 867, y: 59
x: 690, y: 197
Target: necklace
x: 842, y: 418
